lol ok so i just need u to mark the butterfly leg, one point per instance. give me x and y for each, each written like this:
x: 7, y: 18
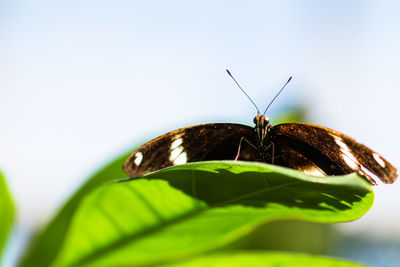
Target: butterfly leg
x: 273, y: 153
x: 240, y: 145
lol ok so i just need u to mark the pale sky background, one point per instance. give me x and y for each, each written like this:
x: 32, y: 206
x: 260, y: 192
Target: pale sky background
x: 84, y: 81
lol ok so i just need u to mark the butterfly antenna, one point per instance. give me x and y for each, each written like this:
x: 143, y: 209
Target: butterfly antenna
x: 290, y: 78
x: 242, y: 90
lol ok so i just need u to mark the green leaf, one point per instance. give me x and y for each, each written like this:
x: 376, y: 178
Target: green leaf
x: 6, y: 212
x: 46, y: 245
x: 186, y: 210
x: 273, y: 259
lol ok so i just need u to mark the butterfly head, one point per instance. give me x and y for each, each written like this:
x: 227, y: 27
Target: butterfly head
x: 261, y: 120
x: 262, y: 126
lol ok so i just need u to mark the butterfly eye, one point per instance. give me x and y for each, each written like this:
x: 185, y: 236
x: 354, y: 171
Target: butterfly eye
x: 255, y: 120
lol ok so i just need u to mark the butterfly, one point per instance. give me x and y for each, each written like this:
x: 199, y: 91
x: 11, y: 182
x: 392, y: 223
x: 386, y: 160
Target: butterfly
x: 309, y: 148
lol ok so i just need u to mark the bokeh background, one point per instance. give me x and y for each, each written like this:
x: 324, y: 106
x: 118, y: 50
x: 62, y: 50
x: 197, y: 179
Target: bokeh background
x: 84, y: 81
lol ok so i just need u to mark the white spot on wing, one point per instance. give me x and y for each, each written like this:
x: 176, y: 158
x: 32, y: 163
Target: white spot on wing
x: 138, y: 158
x: 176, y: 143
x: 379, y: 160
x: 178, y: 156
x: 374, y: 179
x: 181, y: 159
x: 175, y: 153
x: 347, y: 156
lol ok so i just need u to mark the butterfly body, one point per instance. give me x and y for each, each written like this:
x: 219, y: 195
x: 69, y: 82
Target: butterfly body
x: 262, y: 130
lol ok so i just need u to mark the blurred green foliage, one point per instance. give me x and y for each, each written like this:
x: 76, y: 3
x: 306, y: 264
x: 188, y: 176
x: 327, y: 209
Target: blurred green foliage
x: 259, y: 258
x: 6, y: 213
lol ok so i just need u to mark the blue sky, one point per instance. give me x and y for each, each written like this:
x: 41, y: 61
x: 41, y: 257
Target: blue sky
x: 83, y: 81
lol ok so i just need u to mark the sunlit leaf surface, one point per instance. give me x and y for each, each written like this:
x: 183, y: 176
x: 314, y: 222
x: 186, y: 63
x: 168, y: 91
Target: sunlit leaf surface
x: 186, y: 210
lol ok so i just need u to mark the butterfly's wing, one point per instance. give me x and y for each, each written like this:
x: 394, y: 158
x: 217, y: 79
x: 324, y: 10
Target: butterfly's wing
x: 319, y: 150
x: 213, y: 141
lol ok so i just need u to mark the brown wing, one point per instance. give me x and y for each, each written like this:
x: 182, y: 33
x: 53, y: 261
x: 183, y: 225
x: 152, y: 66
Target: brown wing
x: 332, y: 153
x: 214, y: 141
